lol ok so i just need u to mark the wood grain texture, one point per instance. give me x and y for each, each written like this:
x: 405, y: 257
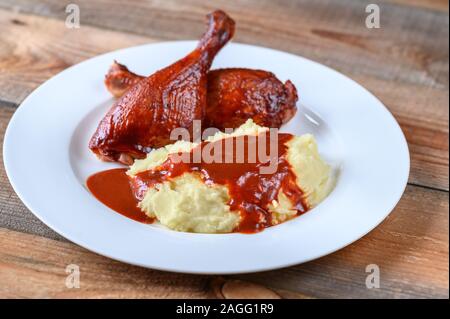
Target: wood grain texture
x: 407, y: 71
x: 441, y: 5
x: 32, y: 266
x: 34, y: 49
x: 401, y: 50
x: 405, y: 64
x: 424, y: 121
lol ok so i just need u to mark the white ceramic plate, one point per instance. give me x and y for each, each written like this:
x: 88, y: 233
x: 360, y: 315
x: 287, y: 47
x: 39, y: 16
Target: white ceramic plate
x: 47, y: 161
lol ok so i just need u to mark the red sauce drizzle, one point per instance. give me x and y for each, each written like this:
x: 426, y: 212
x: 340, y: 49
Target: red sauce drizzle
x: 112, y: 188
x: 250, y: 191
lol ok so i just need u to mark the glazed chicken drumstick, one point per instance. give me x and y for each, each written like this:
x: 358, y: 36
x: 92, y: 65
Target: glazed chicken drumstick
x: 234, y: 95
x: 173, y: 97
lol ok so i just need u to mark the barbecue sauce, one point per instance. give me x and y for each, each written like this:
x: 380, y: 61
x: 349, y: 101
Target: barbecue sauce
x: 112, y: 188
x: 250, y: 191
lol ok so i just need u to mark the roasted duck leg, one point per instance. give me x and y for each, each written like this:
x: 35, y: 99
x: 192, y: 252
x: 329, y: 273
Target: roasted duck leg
x: 170, y: 98
x: 234, y: 95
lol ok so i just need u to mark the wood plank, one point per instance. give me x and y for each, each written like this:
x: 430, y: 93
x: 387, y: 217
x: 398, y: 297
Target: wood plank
x: 46, y: 47
x: 34, y: 49
x: 35, y: 267
x: 331, y: 32
x: 424, y: 121
x: 410, y: 247
x: 441, y: 5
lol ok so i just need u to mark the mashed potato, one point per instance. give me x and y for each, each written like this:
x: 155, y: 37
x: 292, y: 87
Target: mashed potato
x: 186, y: 203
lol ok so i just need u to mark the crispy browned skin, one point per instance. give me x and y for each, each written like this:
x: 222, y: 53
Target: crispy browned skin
x: 119, y: 79
x: 234, y: 95
x: 170, y: 98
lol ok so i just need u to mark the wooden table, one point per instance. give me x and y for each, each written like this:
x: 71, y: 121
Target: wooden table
x: 405, y: 63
